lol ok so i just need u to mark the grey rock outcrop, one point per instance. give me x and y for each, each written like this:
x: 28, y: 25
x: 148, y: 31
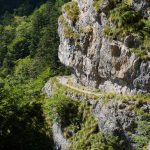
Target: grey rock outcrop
x: 116, y: 118
x: 143, y: 6
x: 60, y: 142
x: 48, y: 89
x: 98, y: 62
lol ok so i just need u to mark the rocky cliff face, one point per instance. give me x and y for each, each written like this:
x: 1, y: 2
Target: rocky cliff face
x: 105, y: 42
x: 124, y: 121
x: 117, y: 118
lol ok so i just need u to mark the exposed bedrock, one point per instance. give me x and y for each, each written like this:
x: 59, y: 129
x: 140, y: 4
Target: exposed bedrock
x: 116, y: 118
x: 97, y: 60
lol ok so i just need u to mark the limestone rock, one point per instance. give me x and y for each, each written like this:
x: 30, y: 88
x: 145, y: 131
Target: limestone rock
x: 97, y: 61
x: 60, y: 142
x: 116, y: 118
x: 48, y: 89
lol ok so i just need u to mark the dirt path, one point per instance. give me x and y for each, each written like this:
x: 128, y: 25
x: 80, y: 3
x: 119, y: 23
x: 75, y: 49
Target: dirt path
x: 64, y: 81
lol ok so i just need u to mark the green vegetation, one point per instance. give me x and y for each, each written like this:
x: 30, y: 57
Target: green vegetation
x: 140, y: 53
x: 146, y: 34
x: 61, y: 19
x: 143, y: 127
x: 127, y: 21
x: 88, y: 136
x: 98, y: 94
x: 31, y: 36
x: 87, y: 29
x: 67, y: 29
x: 97, y: 4
x: 58, y: 106
x: 8, y: 7
x: 80, y: 122
x: 128, y: 2
x: 81, y: 129
x: 72, y: 10
x: 28, y: 57
x: 22, y: 123
x: 69, y: 33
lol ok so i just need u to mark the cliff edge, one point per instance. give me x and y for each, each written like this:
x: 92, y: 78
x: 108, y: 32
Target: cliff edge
x: 106, y: 43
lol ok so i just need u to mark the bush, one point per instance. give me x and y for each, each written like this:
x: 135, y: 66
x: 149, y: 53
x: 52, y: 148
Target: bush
x: 123, y: 16
x: 72, y: 10
x: 128, y: 2
x: 97, y: 4
x: 87, y: 29
x: 61, y: 19
x: 69, y: 33
x: 140, y: 53
x: 146, y: 32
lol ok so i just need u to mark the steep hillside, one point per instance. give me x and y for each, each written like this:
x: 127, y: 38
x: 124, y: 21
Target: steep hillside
x: 87, y: 120
x: 106, y: 103
x: 106, y: 43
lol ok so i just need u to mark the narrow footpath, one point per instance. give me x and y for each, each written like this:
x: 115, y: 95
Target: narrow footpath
x: 64, y: 81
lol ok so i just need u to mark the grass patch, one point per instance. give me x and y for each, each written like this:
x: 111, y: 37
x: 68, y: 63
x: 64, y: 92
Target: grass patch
x: 72, y: 10
x: 124, y: 17
x: 128, y: 2
x: 87, y: 29
x: 143, y: 138
x: 127, y: 21
x: 97, y: 4
x: 69, y: 33
x: 139, y: 53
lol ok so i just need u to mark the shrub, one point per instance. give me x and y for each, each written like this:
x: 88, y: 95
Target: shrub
x: 97, y: 4
x: 143, y: 136
x: 146, y: 32
x: 128, y: 2
x: 125, y: 20
x: 88, y: 137
x: 122, y: 15
x: 61, y: 19
x: 87, y: 29
x: 140, y: 53
x: 69, y: 33
x: 72, y: 10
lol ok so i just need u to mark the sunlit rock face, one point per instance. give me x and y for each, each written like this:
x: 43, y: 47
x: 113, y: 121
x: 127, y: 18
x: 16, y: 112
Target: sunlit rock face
x: 97, y: 60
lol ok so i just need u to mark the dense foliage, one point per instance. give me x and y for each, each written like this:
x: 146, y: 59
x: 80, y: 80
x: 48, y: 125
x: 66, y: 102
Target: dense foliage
x: 28, y: 57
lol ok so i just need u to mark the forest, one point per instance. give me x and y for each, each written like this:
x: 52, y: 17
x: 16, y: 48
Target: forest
x: 28, y: 57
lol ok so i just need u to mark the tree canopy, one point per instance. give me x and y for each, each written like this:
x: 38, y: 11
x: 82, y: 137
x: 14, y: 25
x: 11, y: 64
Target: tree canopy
x: 28, y: 57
